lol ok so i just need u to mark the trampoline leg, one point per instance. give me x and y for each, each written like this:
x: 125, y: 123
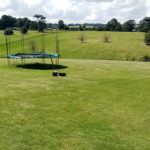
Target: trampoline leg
x: 55, y: 73
x: 21, y: 60
x: 44, y: 62
x: 53, y: 64
x: 8, y: 60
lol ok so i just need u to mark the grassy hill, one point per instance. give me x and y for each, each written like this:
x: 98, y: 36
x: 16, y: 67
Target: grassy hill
x: 123, y: 46
x: 100, y: 105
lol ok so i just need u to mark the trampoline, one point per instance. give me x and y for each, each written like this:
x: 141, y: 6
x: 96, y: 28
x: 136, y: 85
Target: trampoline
x: 33, y: 55
x: 37, y: 55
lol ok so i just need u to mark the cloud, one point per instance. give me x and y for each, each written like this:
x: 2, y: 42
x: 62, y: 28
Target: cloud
x: 78, y: 10
x: 135, y: 9
x: 91, y: 1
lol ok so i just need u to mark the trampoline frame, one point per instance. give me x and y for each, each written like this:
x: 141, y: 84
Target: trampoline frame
x: 38, y: 55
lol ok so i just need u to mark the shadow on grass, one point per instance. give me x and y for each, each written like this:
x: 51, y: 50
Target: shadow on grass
x: 39, y: 66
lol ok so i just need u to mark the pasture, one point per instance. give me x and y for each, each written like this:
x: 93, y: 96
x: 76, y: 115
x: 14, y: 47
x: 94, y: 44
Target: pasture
x: 103, y: 103
x: 100, y: 105
x: 122, y: 46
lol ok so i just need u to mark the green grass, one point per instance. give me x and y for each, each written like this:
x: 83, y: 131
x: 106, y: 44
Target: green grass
x: 100, y: 105
x: 123, y: 46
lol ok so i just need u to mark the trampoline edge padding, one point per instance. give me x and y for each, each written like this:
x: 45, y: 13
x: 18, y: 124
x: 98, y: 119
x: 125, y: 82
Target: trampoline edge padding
x: 33, y: 55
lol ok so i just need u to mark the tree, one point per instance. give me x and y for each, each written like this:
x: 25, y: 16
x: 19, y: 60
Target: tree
x: 33, y: 46
x: 1, y: 24
x: 37, y: 16
x: 42, y: 26
x: 33, y: 25
x: 61, y: 25
x: 23, y: 31
x: 66, y: 27
x: 81, y: 27
x: 113, y: 25
x: 129, y: 25
x: 118, y: 27
x: 84, y: 26
x: 100, y: 28
x: 147, y: 38
x: 144, y: 25
x: 23, y: 22
x: 41, y: 22
x: 8, y: 32
x: 82, y: 37
x: 7, y: 21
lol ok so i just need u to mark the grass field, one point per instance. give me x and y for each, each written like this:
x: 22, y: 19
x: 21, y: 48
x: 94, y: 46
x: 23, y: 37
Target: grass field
x: 100, y: 105
x: 123, y: 46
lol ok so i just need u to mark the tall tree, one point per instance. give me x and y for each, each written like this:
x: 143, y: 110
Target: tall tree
x: 41, y: 28
x: 37, y: 16
x: 61, y: 25
x: 118, y: 27
x: 7, y: 21
x: 147, y: 38
x: 129, y: 25
x: 23, y: 31
x: 33, y: 25
x: 81, y: 27
x: 144, y: 25
x: 1, y: 24
x: 113, y: 25
x: 8, y: 32
x: 23, y: 22
x: 41, y: 22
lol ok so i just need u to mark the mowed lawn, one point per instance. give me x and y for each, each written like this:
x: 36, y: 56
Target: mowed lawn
x: 122, y: 46
x: 100, y: 105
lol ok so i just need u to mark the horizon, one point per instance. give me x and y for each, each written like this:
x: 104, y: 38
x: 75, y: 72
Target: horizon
x: 74, y: 23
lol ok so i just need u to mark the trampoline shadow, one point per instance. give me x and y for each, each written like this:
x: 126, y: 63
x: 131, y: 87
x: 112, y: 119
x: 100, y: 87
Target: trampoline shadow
x: 39, y: 66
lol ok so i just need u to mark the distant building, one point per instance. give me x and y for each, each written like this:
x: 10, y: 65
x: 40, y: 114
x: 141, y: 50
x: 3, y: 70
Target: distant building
x: 73, y: 27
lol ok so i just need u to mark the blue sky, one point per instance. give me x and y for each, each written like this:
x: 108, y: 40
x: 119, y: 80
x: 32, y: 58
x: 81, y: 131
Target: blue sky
x: 78, y: 11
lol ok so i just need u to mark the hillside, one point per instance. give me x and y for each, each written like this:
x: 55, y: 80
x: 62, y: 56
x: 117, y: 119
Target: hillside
x: 122, y: 46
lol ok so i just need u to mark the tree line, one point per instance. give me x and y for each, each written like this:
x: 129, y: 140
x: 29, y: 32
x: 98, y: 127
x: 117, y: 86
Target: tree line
x: 7, y: 21
x: 112, y: 25
x: 129, y: 26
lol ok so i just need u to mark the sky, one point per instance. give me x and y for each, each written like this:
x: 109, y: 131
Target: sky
x: 78, y: 11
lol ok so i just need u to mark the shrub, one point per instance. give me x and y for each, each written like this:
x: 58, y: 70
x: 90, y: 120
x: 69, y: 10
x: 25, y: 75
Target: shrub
x: 106, y: 39
x: 147, y: 38
x: 145, y: 58
x: 33, y: 46
x: 8, y: 31
x: 24, y: 30
x: 82, y: 38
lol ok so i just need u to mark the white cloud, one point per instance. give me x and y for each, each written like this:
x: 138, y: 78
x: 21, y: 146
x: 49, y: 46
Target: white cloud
x: 78, y: 10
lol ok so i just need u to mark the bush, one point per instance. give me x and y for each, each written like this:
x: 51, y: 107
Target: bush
x: 33, y: 46
x: 145, y: 58
x: 147, y: 38
x: 106, y: 39
x: 8, y: 31
x: 24, y: 30
x: 82, y: 38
